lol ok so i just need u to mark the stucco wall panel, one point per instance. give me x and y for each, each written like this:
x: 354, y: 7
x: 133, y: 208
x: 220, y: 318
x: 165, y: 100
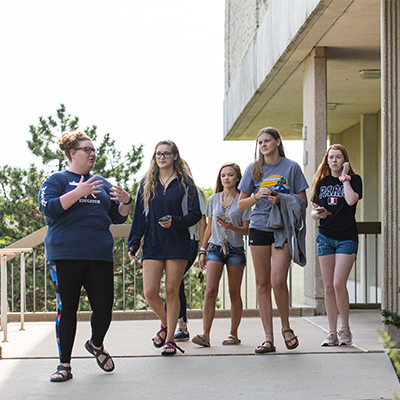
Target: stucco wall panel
x: 282, y: 21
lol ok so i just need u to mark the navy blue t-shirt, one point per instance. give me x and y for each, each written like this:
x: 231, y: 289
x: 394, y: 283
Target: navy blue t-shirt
x: 82, y: 231
x: 341, y: 225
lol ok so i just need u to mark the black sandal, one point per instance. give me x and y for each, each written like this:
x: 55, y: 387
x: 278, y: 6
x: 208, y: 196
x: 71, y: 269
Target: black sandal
x: 97, y: 353
x: 63, y: 377
x: 158, y: 335
x: 263, y: 348
x: 290, y: 340
x: 167, y: 349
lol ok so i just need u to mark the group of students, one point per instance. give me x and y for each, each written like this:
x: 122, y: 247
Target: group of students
x: 169, y: 223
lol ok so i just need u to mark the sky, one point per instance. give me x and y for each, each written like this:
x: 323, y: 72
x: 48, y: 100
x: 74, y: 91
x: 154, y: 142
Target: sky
x: 143, y: 71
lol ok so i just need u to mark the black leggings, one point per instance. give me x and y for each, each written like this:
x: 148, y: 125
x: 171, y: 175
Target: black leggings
x: 97, y: 277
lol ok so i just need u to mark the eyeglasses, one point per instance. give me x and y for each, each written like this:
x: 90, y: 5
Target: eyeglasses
x: 166, y: 154
x: 87, y: 150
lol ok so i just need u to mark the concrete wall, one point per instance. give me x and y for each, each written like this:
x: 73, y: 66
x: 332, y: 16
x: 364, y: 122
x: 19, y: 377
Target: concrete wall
x: 242, y: 18
x: 281, y: 23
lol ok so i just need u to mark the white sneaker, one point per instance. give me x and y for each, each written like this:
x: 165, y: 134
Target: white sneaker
x: 345, y: 337
x: 331, y: 340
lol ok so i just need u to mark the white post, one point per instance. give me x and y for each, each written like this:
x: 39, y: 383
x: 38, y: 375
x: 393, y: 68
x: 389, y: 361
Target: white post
x: 4, y: 308
x: 23, y: 288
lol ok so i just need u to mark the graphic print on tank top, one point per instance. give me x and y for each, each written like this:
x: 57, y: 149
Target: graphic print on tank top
x: 277, y: 183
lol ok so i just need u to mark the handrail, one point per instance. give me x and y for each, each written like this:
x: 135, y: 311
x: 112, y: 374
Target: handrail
x: 4, y: 306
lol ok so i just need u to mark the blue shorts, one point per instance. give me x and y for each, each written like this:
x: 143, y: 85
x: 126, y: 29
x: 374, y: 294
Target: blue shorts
x: 235, y: 258
x: 327, y: 246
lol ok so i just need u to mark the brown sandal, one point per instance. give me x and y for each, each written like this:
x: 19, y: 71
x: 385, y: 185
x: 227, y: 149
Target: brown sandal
x: 201, y: 340
x: 262, y: 349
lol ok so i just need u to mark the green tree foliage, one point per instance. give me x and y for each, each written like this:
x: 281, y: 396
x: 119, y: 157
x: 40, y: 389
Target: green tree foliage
x: 19, y: 211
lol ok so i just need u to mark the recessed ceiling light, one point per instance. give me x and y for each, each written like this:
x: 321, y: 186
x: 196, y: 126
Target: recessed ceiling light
x: 370, y: 73
x: 331, y: 106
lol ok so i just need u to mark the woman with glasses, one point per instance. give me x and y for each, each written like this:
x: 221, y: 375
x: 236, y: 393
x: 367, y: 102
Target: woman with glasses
x: 224, y: 240
x: 335, y: 192
x: 167, y: 204
x: 79, y: 208
x: 267, y: 183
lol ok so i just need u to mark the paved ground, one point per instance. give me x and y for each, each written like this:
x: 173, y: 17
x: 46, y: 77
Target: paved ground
x: 362, y: 371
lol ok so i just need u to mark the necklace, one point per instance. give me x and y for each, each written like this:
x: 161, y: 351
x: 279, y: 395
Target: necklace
x: 227, y: 208
x: 164, y: 183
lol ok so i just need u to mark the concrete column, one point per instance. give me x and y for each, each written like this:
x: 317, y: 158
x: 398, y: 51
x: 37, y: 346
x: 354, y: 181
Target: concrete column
x: 314, y: 121
x: 369, y: 148
x: 390, y: 192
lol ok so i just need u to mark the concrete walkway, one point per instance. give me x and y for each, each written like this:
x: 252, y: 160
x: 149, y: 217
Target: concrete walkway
x: 361, y: 371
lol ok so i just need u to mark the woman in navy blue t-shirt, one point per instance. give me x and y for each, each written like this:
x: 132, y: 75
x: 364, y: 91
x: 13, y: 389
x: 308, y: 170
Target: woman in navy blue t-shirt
x: 335, y: 192
x: 79, y: 208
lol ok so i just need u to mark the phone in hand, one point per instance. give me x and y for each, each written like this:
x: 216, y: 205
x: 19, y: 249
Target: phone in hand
x: 165, y: 218
x: 273, y: 193
x: 220, y: 219
x: 321, y: 209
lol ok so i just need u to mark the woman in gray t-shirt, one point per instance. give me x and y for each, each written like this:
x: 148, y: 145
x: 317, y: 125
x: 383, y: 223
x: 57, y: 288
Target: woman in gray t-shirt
x: 224, y: 239
x: 271, y: 175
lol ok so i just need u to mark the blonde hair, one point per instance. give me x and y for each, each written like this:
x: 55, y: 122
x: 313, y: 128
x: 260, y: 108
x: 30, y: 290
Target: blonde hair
x: 257, y: 171
x: 324, y: 170
x: 218, y: 186
x: 70, y: 140
x: 151, y: 176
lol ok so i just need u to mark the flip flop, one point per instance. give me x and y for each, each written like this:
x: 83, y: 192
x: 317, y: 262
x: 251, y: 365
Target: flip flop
x: 201, y: 340
x: 231, y: 341
x: 262, y: 349
x: 100, y: 352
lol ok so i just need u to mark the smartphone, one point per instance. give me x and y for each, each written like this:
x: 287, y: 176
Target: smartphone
x: 165, y: 218
x: 320, y: 210
x: 273, y: 193
x: 220, y: 219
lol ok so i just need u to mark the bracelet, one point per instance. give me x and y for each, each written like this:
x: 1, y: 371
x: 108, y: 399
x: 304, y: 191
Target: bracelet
x: 129, y: 202
x: 344, y: 178
x: 254, y: 197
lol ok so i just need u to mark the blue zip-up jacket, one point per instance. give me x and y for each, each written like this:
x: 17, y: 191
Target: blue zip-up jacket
x: 165, y: 243
x: 81, y: 232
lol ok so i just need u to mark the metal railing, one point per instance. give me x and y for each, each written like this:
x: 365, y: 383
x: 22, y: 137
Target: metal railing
x: 4, y: 253
x: 39, y: 295
x: 364, y: 280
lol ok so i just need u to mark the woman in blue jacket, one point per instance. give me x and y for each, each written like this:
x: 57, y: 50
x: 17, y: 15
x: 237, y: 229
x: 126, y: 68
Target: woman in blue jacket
x: 167, y: 205
x: 79, y: 208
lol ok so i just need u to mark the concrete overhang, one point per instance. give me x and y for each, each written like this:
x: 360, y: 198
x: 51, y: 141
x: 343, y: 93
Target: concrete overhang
x: 265, y: 92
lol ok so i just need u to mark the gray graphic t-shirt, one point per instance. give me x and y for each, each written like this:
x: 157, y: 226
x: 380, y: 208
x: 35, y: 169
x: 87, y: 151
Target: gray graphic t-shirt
x: 284, y: 177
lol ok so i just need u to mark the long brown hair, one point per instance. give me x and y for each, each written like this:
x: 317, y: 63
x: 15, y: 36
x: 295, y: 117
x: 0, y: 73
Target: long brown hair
x: 151, y: 176
x: 324, y: 170
x: 257, y: 171
x: 218, y: 186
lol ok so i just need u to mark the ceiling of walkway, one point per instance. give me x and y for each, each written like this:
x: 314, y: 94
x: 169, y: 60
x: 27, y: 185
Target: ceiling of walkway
x: 352, y: 44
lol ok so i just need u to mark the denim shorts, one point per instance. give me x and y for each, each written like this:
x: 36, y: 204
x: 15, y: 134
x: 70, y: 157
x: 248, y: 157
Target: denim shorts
x: 327, y: 246
x: 235, y: 258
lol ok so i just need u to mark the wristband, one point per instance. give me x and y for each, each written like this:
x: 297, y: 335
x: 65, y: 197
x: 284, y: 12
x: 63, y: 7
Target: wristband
x: 129, y: 202
x: 203, y: 249
x: 344, y: 178
x: 254, y: 197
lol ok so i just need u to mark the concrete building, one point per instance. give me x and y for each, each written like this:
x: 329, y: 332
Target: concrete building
x: 325, y: 71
